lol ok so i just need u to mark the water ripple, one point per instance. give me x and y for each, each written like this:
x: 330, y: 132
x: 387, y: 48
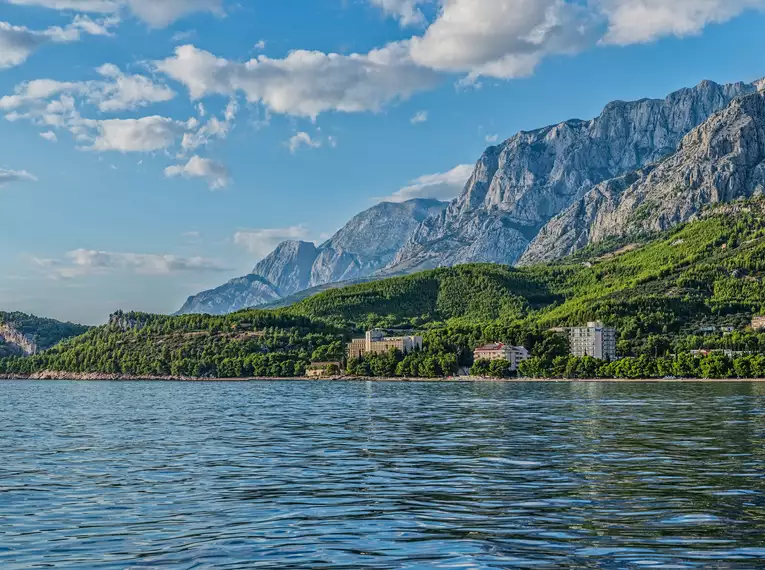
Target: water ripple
x: 370, y: 475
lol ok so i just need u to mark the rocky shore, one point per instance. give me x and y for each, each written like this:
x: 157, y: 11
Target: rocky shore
x: 101, y: 377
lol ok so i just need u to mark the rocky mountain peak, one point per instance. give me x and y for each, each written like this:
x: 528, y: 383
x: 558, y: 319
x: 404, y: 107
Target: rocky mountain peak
x: 720, y: 161
x: 367, y: 243
x: 518, y: 186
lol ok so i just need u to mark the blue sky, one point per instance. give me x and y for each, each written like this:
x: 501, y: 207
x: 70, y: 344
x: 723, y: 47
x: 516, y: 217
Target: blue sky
x: 150, y: 149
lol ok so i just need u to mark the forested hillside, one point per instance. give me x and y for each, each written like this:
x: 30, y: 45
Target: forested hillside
x: 665, y: 294
x: 34, y: 331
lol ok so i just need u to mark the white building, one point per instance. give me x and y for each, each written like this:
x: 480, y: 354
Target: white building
x: 498, y: 351
x: 595, y: 340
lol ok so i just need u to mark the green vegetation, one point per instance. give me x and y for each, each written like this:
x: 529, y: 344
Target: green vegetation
x: 661, y: 292
x: 44, y: 333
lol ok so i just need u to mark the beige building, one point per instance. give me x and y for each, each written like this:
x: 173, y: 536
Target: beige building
x: 376, y: 342
x: 498, y: 351
x: 594, y: 340
x: 758, y: 323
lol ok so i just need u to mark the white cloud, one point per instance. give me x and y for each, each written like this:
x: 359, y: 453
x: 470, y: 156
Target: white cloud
x: 116, y: 92
x: 83, y: 262
x: 214, y: 128
x: 9, y: 176
x: 305, y: 83
x: 215, y: 173
x: 636, y: 21
x: 156, y: 13
x: 161, y: 13
x: 49, y: 136
x: 260, y: 46
x: 501, y: 38
x: 146, y: 134
x: 261, y: 242
x: 419, y: 117
x: 491, y: 139
x: 123, y: 92
x: 300, y: 140
x: 17, y: 43
x: 405, y: 10
x: 442, y: 186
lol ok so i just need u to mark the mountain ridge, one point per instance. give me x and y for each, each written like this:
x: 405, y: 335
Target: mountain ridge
x: 365, y: 244
x: 518, y: 186
x: 722, y: 160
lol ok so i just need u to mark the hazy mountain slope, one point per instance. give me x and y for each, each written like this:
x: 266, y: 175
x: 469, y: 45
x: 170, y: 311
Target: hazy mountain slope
x: 518, y: 186
x: 248, y: 291
x: 720, y: 161
x: 367, y: 243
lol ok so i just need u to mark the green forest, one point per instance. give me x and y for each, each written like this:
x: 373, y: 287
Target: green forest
x: 695, y: 287
x: 45, y: 333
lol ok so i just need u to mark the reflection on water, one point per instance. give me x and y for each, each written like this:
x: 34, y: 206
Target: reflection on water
x: 367, y: 475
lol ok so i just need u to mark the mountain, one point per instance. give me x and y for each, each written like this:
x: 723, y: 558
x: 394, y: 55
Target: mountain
x: 248, y: 291
x: 663, y: 294
x: 518, y: 186
x: 720, y: 161
x: 363, y: 246
x: 27, y: 334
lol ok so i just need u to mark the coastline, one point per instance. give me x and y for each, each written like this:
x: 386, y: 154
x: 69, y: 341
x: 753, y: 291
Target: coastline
x: 100, y: 377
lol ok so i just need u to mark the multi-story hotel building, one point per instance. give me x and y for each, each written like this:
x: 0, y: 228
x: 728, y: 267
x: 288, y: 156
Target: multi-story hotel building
x: 594, y: 340
x: 498, y: 351
x: 758, y: 323
x: 376, y: 342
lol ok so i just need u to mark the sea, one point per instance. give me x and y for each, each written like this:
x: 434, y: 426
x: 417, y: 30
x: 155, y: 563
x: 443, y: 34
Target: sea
x: 166, y: 475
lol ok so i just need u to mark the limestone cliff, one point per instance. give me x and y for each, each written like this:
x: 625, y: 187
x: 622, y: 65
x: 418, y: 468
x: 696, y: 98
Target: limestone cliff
x: 518, y: 186
x: 720, y: 161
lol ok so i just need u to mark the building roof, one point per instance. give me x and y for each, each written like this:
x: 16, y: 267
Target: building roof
x: 490, y: 347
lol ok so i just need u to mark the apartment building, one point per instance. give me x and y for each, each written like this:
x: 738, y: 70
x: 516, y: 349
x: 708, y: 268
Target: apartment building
x: 595, y: 340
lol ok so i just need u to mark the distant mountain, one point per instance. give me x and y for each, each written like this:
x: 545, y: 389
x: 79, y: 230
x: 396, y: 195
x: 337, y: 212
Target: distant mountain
x: 721, y: 161
x: 518, y: 186
x: 248, y: 291
x: 363, y: 246
x: 27, y: 334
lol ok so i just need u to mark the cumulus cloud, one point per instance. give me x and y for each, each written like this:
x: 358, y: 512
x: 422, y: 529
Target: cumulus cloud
x: 49, y: 136
x: 215, y: 173
x: 305, y: 83
x: 501, y: 38
x: 17, y: 43
x: 441, y: 186
x: 53, y: 105
x: 637, y: 21
x: 9, y: 176
x: 116, y: 92
x: 82, y: 262
x: 261, y: 242
x: 300, y: 140
x: 406, y: 11
x: 125, y: 92
x: 156, y: 13
x: 146, y: 134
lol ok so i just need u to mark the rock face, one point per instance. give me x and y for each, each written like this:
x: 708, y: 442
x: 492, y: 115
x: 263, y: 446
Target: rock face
x: 363, y: 246
x: 720, y: 161
x: 240, y: 293
x: 518, y: 186
x: 16, y: 341
x: 288, y: 267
